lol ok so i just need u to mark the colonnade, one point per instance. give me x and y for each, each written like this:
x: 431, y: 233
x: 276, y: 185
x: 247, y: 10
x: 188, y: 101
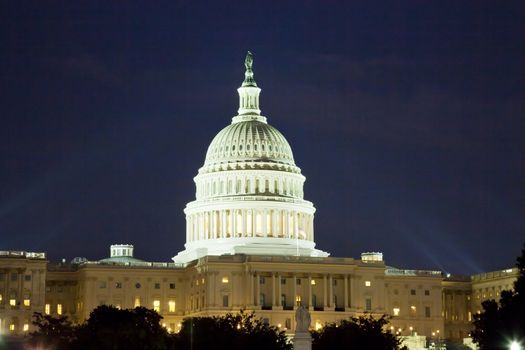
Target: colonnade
x: 229, y: 223
x: 328, y: 292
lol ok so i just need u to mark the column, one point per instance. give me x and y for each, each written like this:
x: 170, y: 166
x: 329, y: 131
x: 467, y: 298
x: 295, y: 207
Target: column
x: 233, y: 214
x: 346, y: 293
x: 294, y: 291
x: 254, y: 222
x: 274, y: 286
x: 264, y: 220
x: 279, y: 292
x: 330, y: 291
x: 286, y: 227
x: 251, y: 289
x: 274, y: 223
x: 243, y: 232
x: 224, y: 223
x: 310, y: 306
x: 324, y: 291
x: 257, y: 289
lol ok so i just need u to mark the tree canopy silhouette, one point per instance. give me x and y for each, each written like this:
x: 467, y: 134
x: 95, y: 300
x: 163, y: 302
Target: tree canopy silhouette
x: 498, y: 325
x: 364, y: 332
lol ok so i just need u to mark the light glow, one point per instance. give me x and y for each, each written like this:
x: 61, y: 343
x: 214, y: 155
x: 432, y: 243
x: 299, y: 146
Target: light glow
x: 225, y: 279
x: 396, y: 311
x: 368, y: 283
x: 514, y: 345
x: 171, y: 306
x: 156, y: 305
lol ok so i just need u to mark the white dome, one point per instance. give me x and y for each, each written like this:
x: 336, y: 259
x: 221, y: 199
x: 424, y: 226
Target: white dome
x: 249, y: 197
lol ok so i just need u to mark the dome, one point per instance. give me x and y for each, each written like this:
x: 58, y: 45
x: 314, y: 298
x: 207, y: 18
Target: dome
x: 249, y: 195
x: 249, y: 141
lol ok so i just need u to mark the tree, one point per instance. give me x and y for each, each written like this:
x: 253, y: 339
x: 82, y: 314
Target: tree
x: 53, y: 332
x: 364, y: 332
x: 239, y: 331
x: 498, y: 325
x: 115, y: 329
x: 107, y: 328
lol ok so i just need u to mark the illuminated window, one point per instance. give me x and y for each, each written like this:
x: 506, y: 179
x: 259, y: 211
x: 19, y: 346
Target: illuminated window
x: 12, y: 327
x: 0, y: 298
x: 413, y: 309
x: 298, y: 300
x: 368, y: 283
x: 171, y: 306
x: 313, y: 282
x: 156, y: 305
x: 225, y: 279
x: 12, y: 302
x: 137, y: 302
x: 47, y: 309
x: 59, y: 309
x: 318, y: 325
x: 27, y: 302
x: 396, y: 311
x: 26, y: 327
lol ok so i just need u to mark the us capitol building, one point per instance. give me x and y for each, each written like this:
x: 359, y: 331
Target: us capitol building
x: 249, y: 245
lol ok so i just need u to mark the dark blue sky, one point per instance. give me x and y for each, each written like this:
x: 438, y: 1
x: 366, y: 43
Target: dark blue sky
x: 407, y: 118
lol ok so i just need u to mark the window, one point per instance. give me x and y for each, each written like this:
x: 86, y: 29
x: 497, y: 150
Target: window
x: 172, y: 285
x: 137, y: 285
x: 1, y: 298
x: 261, y: 280
x: 171, y: 306
x: 12, y: 327
x: 47, y: 309
x: 14, y: 277
x: 368, y: 304
x: 137, y: 302
x: 298, y: 300
x: 262, y: 299
x: 283, y: 280
x: 395, y: 311
x: 368, y: 283
x: 27, y: 302
x: 298, y: 281
x: 156, y: 305
x: 312, y: 282
x: 225, y: 279
x: 427, y: 311
x: 412, y: 292
x: 26, y: 327
x: 59, y: 309
x: 2, y: 276
x: 27, y: 277
x: 334, y: 282
x: 427, y: 292
x: 12, y: 302
x: 283, y: 300
x: 102, y: 284
x: 225, y: 301
x: 157, y: 285
x: 118, y: 285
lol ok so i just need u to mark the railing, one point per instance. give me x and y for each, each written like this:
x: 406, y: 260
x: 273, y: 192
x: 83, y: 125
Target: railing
x: 391, y: 271
x: 22, y: 254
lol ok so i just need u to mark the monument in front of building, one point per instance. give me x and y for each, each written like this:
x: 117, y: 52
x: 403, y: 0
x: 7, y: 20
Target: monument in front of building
x: 302, y: 339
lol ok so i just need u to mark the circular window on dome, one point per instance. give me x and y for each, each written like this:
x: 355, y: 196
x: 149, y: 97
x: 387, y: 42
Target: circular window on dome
x: 233, y: 148
x: 255, y: 147
x: 262, y: 146
x: 247, y: 147
x: 240, y: 148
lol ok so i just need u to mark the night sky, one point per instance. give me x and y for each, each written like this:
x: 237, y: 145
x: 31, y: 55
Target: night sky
x: 407, y: 119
